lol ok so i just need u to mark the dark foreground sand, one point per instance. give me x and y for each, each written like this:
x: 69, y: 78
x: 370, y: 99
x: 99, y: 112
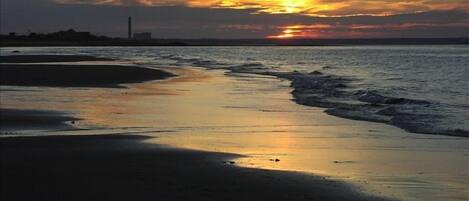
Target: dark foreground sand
x: 120, y: 167
x: 76, y: 75
x: 71, y: 75
x: 48, y: 58
x: 19, y: 119
x: 123, y: 167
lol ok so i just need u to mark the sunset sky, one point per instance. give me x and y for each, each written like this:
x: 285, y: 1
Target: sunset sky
x: 242, y: 18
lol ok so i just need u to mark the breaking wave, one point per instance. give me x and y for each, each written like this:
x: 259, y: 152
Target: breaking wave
x: 341, y: 99
x: 333, y: 92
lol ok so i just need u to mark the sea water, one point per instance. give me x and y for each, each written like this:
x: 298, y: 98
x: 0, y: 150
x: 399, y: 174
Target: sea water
x: 422, y: 89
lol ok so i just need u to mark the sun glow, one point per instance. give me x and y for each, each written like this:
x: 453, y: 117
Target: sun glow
x: 294, y: 6
x: 272, y: 6
x: 301, y: 31
x: 322, y: 8
x: 287, y: 33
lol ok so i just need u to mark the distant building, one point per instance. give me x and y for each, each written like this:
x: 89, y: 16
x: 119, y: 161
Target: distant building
x: 142, y: 36
x: 129, y: 27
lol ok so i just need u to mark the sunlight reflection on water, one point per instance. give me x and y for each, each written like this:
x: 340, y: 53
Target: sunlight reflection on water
x: 255, y: 117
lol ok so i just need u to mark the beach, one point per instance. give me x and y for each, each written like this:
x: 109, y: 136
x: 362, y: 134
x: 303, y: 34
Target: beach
x: 123, y: 167
x: 49, y: 58
x: 211, y: 135
x: 234, y: 100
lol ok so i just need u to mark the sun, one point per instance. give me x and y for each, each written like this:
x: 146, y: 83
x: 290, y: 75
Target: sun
x: 287, y: 33
x: 294, y: 6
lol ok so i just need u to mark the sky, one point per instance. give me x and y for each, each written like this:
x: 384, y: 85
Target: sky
x: 242, y: 18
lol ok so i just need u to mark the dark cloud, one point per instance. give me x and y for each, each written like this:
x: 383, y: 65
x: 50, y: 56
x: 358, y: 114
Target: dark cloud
x: 193, y: 22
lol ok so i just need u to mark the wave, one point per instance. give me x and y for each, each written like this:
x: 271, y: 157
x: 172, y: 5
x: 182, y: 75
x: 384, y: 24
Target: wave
x: 409, y: 114
x: 341, y: 99
x: 249, y: 67
x: 196, y: 62
x: 334, y: 93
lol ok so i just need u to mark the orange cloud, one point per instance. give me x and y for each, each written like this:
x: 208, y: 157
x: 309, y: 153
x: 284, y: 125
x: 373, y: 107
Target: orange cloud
x: 303, y: 7
x: 353, y: 30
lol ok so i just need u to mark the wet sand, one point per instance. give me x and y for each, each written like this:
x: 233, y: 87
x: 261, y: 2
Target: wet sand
x: 19, y: 119
x: 253, y: 116
x: 71, y: 74
x: 244, y: 114
x: 122, y: 167
x: 49, y: 58
x: 76, y: 75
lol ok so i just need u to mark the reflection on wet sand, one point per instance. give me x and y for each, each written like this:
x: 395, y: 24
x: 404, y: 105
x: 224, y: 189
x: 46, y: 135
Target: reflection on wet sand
x: 207, y: 110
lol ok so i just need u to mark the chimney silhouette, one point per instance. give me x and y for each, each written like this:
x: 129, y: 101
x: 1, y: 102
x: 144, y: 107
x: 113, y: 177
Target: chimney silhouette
x: 130, y: 27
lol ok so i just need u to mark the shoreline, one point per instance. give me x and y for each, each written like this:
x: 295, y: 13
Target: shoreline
x: 316, y: 89
x: 72, y: 75
x: 33, y: 70
x: 49, y: 58
x: 14, y: 120
x: 95, y: 167
x: 123, y: 167
x: 170, y: 97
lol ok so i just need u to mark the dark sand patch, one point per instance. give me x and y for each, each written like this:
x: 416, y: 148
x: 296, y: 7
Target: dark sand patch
x: 121, y: 167
x: 76, y: 75
x: 19, y: 119
x: 49, y: 58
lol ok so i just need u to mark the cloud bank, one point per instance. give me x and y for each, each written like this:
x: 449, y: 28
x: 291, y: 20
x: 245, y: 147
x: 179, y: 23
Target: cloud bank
x: 241, y: 19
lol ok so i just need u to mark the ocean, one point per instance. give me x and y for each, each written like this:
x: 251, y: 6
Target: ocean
x: 422, y: 89
x: 295, y: 104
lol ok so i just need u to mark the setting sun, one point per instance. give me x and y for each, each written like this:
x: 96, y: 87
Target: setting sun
x: 303, y: 7
x: 301, y: 31
x: 222, y: 100
x: 287, y: 33
x: 294, y: 6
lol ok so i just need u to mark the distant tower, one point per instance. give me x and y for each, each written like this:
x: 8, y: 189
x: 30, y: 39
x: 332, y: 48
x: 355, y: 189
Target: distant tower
x: 130, y: 28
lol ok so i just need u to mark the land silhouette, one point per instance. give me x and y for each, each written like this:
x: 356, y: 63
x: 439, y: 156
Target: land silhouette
x: 78, y: 38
